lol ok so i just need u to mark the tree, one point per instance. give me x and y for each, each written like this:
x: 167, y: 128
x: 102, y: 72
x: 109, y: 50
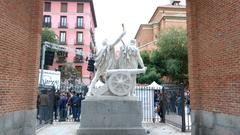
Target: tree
x: 68, y: 71
x: 170, y: 59
x: 69, y: 75
x: 49, y: 36
x: 151, y: 74
x: 172, y: 54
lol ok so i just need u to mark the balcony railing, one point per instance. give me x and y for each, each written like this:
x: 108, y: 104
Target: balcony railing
x: 81, y: 26
x: 48, y: 25
x: 78, y: 43
x: 62, y: 43
x: 62, y: 25
x: 61, y: 59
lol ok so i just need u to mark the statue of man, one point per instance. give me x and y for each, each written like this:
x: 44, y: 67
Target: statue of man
x: 130, y: 58
x: 105, y: 59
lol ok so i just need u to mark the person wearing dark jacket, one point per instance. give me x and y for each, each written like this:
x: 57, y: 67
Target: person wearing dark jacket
x: 162, y: 104
x: 63, y: 107
x: 76, y: 102
x: 56, y: 105
x: 43, y: 106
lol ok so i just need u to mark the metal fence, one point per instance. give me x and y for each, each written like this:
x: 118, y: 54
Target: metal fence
x: 173, y: 98
x: 177, y: 110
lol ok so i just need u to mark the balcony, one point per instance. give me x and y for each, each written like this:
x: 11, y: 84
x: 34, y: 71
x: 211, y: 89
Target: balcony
x: 62, y: 43
x: 79, y: 26
x: 63, y: 25
x: 61, y: 59
x: 78, y: 59
x: 47, y: 25
x: 79, y: 43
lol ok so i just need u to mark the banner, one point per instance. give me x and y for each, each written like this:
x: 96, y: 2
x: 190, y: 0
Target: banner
x: 50, y: 78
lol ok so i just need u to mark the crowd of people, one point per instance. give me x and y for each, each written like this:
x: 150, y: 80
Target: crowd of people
x: 171, y: 103
x: 59, y: 106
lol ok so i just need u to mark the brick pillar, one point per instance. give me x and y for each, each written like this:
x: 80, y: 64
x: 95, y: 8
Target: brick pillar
x: 20, y: 32
x: 214, y: 66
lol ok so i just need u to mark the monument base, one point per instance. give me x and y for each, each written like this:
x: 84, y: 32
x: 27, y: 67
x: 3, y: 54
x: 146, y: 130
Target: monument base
x: 110, y: 115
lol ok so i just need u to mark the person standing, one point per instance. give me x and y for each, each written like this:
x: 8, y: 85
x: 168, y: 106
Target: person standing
x: 62, y: 107
x: 43, y: 106
x: 162, y: 104
x: 75, y: 106
x: 56, y: 105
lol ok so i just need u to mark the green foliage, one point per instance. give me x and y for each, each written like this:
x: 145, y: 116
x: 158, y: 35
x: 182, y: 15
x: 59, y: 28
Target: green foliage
x: 173, y: 49
x: 68, y: 72
x: 172, y: 44
x: 146, y: 57
x: 150, y: 76
x: 49, y: 36
x: 170, y: 59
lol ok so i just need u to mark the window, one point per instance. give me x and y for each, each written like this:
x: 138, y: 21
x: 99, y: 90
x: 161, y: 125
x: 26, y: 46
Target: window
x: 62, y: 54
x: 47, y: 21
x: 63, y: 7
x: 79, y: 55
x: 79, y: 22
x: 80, y: 8
x: 79, y: 38
x: 79, y: 69
x: 47, y: 6
x: 63, y: 22
x: 62, y: 37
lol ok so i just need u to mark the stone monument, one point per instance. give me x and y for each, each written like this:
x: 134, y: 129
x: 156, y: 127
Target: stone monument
x: 112, y: 109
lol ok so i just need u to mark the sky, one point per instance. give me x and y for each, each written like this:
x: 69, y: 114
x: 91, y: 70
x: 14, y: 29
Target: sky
x: 111, y: 14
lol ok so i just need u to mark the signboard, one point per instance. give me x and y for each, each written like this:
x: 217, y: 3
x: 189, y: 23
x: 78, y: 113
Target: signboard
x: 50, y: 78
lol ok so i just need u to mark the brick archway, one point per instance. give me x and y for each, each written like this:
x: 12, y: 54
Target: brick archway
x: 20, y: 31
x: 214, y: 73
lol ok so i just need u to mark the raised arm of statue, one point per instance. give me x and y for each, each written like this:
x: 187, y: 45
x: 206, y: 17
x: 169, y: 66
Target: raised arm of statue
x: 120, y: 37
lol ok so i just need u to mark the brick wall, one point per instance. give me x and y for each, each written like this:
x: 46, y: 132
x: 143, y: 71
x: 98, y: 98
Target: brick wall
x: 20, y: 27
x: 214, y: 55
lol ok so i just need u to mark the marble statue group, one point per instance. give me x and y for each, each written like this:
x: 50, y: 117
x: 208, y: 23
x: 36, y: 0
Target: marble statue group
x: 119, y: 74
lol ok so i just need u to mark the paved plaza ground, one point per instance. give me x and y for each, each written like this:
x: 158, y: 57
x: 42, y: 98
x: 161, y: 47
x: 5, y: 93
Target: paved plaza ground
x: 70, y: 128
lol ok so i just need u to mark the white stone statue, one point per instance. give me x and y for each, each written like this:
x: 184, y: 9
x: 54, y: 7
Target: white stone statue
x: 120, y: 74
x: 105, y: 59
x: 130, y: 58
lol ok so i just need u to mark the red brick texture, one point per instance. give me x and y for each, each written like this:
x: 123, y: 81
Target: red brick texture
x: 20, y: 32
x: 214, y: 55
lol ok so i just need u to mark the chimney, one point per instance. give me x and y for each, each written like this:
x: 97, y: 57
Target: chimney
x: 175, y: 2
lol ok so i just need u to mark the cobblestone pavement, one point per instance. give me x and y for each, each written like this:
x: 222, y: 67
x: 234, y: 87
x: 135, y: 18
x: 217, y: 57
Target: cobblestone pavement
x: 70, y: 128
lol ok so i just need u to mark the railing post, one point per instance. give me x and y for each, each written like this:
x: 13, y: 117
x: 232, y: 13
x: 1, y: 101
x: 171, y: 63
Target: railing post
x: 43, y: 62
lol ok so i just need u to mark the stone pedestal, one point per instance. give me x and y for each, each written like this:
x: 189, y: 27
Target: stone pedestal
x: 110, y: 115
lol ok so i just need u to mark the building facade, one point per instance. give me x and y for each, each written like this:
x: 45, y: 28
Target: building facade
x: 20, y: 35
x: 164, y: 17
x: 74, y: 23
x: 214, y: 66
